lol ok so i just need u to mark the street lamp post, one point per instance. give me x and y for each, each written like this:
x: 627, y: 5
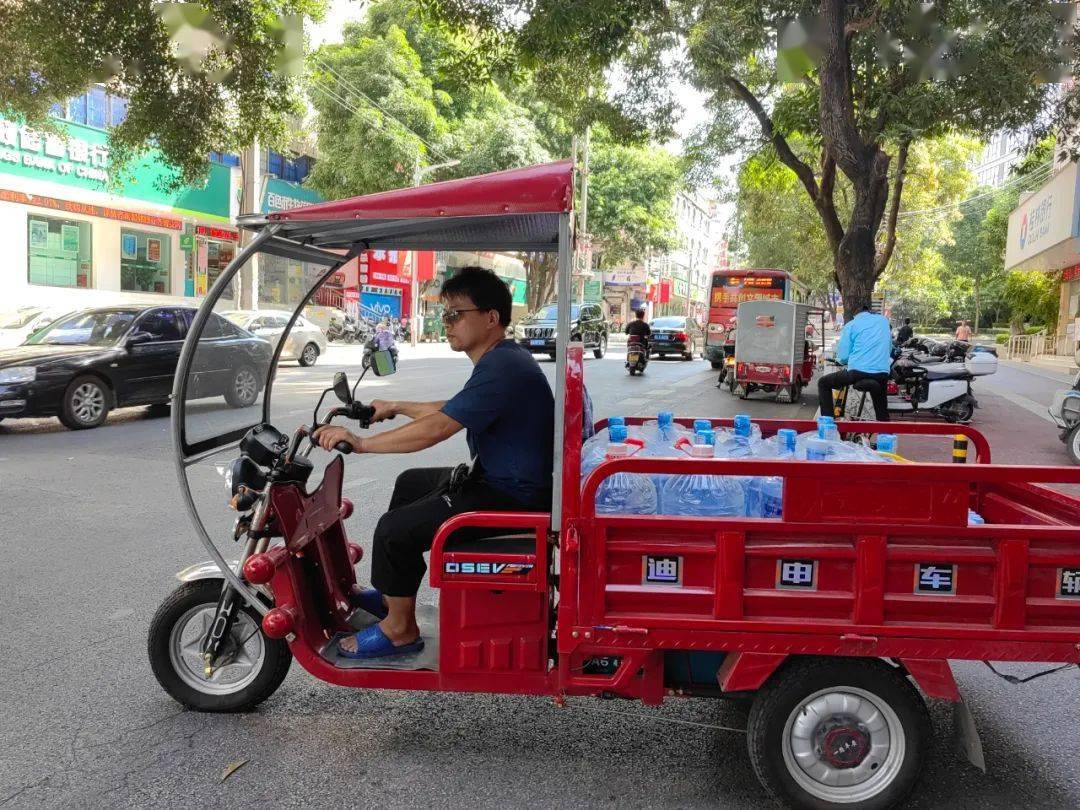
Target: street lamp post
x: 418, y: 178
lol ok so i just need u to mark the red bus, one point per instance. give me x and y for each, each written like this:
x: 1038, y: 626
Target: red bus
x: 730, y: 288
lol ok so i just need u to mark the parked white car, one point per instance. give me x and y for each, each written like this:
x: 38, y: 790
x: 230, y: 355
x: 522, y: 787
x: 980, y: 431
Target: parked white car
x: 306, y: 340
x: 17, y: 326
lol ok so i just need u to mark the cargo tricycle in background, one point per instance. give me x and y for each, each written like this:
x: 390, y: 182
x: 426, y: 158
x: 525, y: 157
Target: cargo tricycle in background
x: 774, y: 348
x: 829, y: 619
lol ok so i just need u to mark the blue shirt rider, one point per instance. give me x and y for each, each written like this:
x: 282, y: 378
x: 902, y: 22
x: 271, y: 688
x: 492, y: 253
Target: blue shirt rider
x: 865, y: 347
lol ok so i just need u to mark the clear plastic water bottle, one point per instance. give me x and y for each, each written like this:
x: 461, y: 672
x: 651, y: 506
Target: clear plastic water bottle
x: 738, y: 443
x: 702, y: 424
x: 702, y: 495
x: 817, y: 449
x: 826, y: 428
x: 624, y: 493
x: 975, y: 519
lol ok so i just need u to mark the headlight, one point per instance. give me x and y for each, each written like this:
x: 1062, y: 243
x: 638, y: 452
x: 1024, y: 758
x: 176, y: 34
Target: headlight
x: 18, y: 374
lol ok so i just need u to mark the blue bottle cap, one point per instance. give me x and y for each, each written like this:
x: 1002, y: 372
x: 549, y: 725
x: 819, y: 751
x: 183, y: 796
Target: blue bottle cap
x: 886, y: 442
x: 705, y: 437
x: 616, y: 420
x: 617, y: 433
x: 665, y: 418
x: 742, y: 424
x: 702, y: 424
x: 787, y: 438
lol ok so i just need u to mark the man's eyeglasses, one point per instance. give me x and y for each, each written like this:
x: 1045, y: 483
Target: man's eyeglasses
x: 453, y: 315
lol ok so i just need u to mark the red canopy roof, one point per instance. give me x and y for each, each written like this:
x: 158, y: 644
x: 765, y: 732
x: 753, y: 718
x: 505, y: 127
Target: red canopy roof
x: 543, y: 189
x: 518, y: 209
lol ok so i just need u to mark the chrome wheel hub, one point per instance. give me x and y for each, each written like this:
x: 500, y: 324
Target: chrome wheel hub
x: 245, y: 385
x: 238, y: 664
x: 843, y: 744
x: 88, y: 402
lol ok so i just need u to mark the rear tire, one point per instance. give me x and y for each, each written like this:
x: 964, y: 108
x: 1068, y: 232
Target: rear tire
x: 601, y: 347
x: 717, y: 364
x: 309, y: 355
x: 188, y: 604
x: 870, y: 716
x: 87, y: 402
x: 243, y: 389
x: 1072, y: 444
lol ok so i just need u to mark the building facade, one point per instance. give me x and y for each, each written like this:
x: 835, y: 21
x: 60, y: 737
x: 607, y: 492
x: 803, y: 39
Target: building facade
x: 1003, y: 151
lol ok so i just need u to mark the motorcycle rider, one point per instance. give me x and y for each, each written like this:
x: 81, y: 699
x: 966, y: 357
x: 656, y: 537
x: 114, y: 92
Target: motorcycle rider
x: 384, y: 339
x: 865, y: 347
x: 637, y: 328
x: 507, y: 410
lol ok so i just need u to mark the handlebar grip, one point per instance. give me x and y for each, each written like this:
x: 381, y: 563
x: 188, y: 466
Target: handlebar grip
x: 344, y: 448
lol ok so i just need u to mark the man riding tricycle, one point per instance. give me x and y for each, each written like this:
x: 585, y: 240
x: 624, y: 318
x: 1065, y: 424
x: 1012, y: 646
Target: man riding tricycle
x: 826, y: 616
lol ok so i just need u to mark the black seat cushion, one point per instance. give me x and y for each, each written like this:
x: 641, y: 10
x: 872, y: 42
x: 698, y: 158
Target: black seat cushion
x: 866, y: 385
x: 491, y: 541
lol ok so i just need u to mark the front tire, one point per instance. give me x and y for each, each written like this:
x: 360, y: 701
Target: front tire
x: 86, y: 404
x: 243, y: 388
x: 830, y: 733
x: 601, y: 347
x: 309, y: 355
x: 255, y: 664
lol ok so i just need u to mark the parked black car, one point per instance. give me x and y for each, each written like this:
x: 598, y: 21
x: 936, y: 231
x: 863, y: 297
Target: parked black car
x: 536, y: 332
x: 85, y: 364
x: 674, y: 334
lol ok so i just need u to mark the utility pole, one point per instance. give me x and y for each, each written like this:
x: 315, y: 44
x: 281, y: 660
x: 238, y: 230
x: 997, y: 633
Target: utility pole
x: 251, y: 186
x: 414, y: 286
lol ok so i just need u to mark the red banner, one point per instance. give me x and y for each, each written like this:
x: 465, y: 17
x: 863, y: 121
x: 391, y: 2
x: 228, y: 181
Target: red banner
x: 218, y: 233
x: 90, y: 210
x: 665, y: 290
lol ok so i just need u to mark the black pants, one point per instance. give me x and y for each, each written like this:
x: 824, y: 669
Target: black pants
x: 419, y: 506
x: 840, y: 379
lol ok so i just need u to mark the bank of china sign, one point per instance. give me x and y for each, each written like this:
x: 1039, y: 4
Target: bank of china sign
x: 54, y: 154
x: 1042, y: 225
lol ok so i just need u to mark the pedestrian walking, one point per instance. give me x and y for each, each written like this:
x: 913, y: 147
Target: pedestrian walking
x: 963, y: 331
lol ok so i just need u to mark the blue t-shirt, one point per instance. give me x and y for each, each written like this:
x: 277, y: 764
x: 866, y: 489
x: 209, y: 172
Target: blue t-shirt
x: 866, y: 344
x: 508, y: 411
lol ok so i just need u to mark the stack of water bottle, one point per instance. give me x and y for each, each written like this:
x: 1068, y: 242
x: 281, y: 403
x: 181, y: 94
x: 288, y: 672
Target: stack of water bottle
x: 702, y: 494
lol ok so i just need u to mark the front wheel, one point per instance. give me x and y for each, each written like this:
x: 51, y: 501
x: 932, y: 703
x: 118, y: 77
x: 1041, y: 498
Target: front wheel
x: 963, y: 413
x: 250, y: 667
x: 601, y: 347
x: 1072, y: 444
x: 86, y: 403
x: 831, y: 733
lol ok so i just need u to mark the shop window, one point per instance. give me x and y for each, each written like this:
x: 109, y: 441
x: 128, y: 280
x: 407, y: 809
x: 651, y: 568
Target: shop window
x: 218, y: 256
x: 284, y: 282
x: 59, y: 252
x: 145, y: 261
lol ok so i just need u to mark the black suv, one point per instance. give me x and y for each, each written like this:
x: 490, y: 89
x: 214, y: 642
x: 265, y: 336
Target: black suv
x: 536, y: 332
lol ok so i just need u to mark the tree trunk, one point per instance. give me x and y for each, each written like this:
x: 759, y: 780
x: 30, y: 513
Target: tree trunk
x: 978, y: 307
x: 540, y: 273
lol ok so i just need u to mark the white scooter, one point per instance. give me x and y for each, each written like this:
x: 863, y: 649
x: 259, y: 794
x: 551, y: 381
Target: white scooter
x: 1065, y: 411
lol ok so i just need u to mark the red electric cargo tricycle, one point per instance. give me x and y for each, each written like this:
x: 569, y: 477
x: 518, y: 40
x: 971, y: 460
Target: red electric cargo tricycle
x: 831, y: 618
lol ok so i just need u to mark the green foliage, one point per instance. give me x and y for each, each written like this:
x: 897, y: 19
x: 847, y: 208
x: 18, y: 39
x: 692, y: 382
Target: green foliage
x: 199, y: 77
x: 1033, y: 296
x: 631, y: 190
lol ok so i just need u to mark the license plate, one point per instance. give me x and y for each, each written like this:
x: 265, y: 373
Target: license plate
x: 632, y: 358
x: 663, y: 337
x: 537, y: 341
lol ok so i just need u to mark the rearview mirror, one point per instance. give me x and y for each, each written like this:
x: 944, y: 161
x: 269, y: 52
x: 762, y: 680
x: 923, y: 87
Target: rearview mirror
x: 341, y: 387
x: 382, y: 363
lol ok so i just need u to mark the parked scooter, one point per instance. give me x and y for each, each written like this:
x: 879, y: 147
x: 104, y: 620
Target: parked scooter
x: 1065, y: 411
x: 637, y: 355
x: 925, y: 384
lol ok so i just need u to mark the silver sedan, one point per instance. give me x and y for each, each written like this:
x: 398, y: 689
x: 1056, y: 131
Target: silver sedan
x: 306, y: 340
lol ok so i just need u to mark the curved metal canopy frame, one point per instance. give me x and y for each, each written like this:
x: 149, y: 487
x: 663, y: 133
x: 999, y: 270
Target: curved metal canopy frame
x: 524, y: 209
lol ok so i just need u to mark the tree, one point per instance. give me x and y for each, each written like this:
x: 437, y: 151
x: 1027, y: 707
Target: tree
x: 862, y: 81
x: 199, y: 77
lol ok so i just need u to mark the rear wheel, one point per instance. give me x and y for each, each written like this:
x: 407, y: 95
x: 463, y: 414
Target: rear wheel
x: 717, y: 364
x: 309, y: 355
x: 963, y: 412
x: 86, y: 403
x: 633, y: 371
x: 827, y: 733
x: 795, y: 391
x: 250, y: 667
x: 243, y: 388
x: 1072, y: 444
x: 689, y: 354
x: 601, y: 347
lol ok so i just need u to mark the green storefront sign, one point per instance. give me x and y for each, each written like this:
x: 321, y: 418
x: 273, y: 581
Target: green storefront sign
x: 594, y: 289
x: 517, y: 289
x: 80, y: 159
x: 281, y: 195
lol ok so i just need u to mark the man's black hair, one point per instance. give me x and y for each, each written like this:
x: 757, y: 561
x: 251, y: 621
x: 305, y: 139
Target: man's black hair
x: 640, y: 313
x: 485, y: 289
x: 907, y: 321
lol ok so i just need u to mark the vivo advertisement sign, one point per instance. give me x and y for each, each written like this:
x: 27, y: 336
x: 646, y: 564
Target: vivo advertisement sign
x: 1043, y: 226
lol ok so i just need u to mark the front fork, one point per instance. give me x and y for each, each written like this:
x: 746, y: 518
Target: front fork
x: 230, y: 601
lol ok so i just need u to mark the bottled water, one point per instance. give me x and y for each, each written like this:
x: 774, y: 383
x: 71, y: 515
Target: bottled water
x: 625, y: 493
x: 826, y: 428
x: 594, y: 448
x: 975, y: 519
x: 886, y: 443
x: 701, y: 425
x: 661, y: 439
x: 702, y: 495
x: 765, y: 494
x: 738, y: 443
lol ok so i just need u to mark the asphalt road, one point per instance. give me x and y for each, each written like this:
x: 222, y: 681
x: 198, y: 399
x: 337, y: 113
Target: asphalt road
x: 93, y: 530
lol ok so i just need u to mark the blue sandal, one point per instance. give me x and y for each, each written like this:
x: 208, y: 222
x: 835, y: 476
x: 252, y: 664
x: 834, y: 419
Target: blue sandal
x: 370, y: 600
x: 371, y: 642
